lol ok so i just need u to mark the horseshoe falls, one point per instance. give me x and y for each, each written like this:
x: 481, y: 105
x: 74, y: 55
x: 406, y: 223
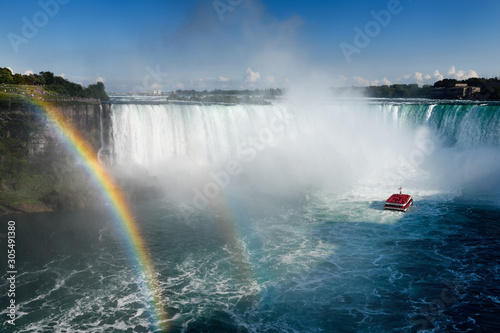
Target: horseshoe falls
x: 269, y: 218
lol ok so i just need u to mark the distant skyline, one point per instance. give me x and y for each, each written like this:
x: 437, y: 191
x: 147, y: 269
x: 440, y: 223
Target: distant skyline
x: 240, y: 44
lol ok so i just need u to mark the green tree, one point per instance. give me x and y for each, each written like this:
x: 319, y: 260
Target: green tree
x: 18, y: 79
x: 29, y: 79
x: 6, y: 76
x: 445, y: 83
x: 48, y: 76
x: 39, y: 80
x: 96, y: 91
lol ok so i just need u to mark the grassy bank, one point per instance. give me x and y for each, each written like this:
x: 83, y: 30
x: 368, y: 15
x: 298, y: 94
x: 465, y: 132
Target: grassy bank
x: 29, y: 93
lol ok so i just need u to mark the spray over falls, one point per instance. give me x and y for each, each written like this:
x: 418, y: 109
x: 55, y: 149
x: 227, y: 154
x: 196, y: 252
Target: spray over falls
x: 282, y: 148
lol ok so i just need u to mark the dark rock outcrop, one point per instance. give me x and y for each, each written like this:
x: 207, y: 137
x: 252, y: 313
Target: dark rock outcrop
x: 38, y: 171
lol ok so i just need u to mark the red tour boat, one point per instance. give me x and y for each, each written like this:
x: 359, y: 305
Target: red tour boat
x: 399, y: 201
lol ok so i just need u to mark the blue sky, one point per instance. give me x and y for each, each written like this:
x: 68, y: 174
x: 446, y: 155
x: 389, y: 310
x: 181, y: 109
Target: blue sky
x: 206, y: 44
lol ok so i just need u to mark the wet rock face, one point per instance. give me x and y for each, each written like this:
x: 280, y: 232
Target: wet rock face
x: 35, y: 131
x: 37, y: 165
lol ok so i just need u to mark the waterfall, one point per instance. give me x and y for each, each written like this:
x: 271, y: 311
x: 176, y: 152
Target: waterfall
x: 314, y: 143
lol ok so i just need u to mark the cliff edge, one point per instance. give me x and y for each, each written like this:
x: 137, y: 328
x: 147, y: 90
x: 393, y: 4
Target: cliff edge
x: 38, y: 172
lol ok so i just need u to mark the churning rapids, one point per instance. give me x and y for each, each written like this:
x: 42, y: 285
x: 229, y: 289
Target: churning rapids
x: 271, y: 220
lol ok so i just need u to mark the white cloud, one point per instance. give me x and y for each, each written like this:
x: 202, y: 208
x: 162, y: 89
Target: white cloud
x: 10, y: 69
x: 464, y: 75
x: 179, y: 85
x: 437, y: 75
x: 461, y: 74
x: 62, y: 75
x: 418, y: 77
x: 421, y: 78
x: 361, y: 81
x: 28, y: 72
x: 223, y: 79
x: 251, y: 76
x: 100, y: 78
x: 470, y: 73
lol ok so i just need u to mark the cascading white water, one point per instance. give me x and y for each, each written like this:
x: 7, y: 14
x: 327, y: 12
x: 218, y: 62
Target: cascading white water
x: 278, y: 146
x: 151, y: 135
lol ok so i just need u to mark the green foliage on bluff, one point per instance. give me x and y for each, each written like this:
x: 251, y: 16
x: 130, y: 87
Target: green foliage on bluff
x: 392, y: 91
x: 56, y: 84
x: 398, y: 91
x: 64, y: 87
x: 490, y: 88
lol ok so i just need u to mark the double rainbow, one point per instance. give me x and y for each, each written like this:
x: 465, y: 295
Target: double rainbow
x: 119, y: 208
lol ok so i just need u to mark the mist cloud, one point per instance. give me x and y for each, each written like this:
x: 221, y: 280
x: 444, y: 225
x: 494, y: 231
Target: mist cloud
x: 249, y: 40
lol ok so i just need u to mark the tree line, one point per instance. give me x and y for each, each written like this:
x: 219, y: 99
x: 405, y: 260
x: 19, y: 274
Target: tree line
x: 56, y: 84
x: 490, y: 89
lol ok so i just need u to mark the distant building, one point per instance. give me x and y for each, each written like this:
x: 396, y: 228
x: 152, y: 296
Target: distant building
x: 459, y: 91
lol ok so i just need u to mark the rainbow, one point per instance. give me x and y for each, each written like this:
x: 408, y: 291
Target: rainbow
x: 119, y: 208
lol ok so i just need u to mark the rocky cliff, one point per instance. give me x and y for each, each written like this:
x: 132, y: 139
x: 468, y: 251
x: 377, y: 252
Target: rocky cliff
x: 37, y: 170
